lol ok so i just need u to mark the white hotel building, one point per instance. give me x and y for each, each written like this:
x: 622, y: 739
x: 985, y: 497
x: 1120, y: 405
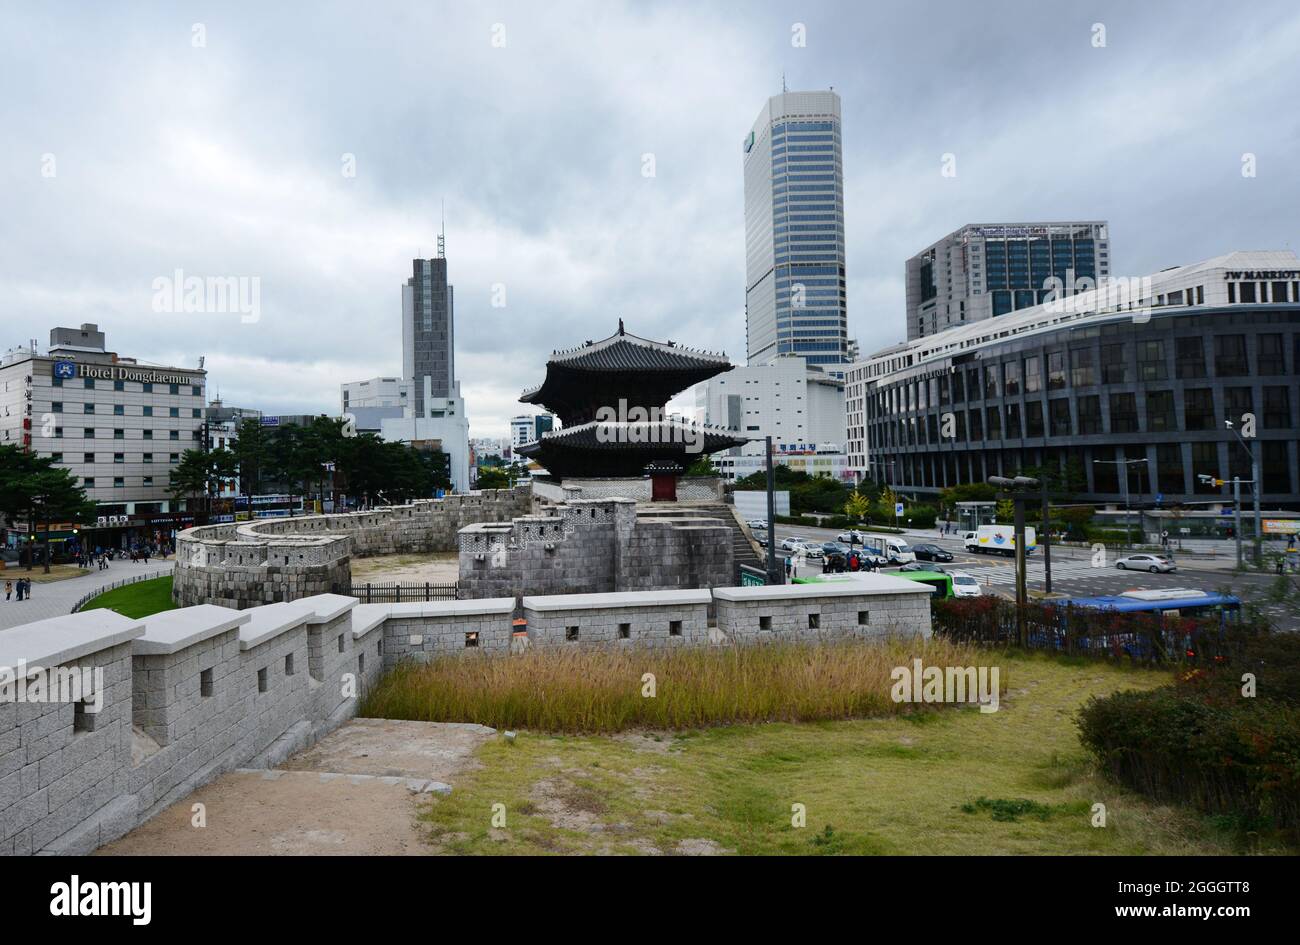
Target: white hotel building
x: 118, y: 424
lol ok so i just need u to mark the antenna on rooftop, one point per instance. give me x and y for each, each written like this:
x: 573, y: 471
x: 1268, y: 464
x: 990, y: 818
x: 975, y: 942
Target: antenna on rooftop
x: 442, y: 233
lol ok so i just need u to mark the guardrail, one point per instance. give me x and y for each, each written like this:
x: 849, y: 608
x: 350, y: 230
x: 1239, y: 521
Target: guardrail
x: 134, y: 579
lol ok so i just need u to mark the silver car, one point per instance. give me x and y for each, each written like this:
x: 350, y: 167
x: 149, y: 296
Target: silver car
x: 1156, y: 564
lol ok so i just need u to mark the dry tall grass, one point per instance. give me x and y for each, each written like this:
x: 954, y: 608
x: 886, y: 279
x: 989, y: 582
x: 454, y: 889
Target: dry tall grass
x: 594, y: 690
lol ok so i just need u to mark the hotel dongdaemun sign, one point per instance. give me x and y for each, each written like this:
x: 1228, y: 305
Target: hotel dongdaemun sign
x: 118, y: 372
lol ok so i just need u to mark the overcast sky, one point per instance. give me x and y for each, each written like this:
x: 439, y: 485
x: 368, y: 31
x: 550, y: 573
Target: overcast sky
x: 132, y: 150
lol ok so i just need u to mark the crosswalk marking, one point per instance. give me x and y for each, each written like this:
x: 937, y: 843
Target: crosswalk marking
x: 1006, y: 573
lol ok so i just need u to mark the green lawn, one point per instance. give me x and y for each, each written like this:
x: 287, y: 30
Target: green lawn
x: 137, y: 600
x: 949, y: 782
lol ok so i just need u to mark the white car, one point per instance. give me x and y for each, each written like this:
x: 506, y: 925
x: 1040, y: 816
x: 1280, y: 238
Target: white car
x: 757, y: 524
x: 1156, y: 564
x: 810, y: 549
x: 792, y: 543
x: 852, y: 538
x: 963, y: 585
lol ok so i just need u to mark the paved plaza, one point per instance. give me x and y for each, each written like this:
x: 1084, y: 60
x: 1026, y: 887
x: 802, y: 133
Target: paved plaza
x: 58, y: 598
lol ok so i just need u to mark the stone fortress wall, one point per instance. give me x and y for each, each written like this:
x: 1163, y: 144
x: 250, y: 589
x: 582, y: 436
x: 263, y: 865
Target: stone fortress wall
x: 596, y: 546
x: 189, y: 694
x: 283, y: 559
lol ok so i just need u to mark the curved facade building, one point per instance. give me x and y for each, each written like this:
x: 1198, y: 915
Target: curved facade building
x: 1134, y: 378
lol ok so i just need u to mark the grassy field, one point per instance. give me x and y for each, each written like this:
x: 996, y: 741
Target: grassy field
x: 137, y: 600
x: 953, y: 781
x: 598, y: 689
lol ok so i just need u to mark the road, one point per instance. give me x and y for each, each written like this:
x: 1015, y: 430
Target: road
x: 58, y: 598
x: 1074, y: 572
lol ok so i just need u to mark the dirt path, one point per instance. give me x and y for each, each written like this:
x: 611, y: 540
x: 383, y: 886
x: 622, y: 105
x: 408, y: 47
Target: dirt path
x: 355, y: 792
x: 440, y: 568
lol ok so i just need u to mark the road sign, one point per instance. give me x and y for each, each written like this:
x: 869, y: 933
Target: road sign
x: 898, y: 510
x: 1160, y: 497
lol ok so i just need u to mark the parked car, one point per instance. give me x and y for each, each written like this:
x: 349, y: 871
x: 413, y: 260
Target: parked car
x: 1156, y: 564
x: 761, y: 538
x: 963, y: 585
x: 810, y: 549
x: 931, y: 553
x: 834, y: 547
x: 757, y: 523
x: 792, y: 543
x: 852, y: 538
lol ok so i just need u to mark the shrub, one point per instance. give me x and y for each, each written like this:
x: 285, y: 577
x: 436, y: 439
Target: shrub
x: 1240, y: 758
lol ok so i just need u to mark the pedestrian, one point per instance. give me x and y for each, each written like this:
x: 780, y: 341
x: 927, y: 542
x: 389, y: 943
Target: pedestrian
x: 20, y: 588
x: 9, y: 589
x: 787, y: 567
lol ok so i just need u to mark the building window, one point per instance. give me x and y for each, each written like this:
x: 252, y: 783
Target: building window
x: 1011, y: 378
x: 1189, y: 354
x: 87, y: 408
x: 119, y: 457
x: 146, y: 434
x: 1169, y: 467
x: 1205, y: 462
x: 1033, y: 375
x: 146, y: 388
x: 1034, y: 418
x: 1114, y: 364
x: 173, y: 411
x: 196, y: 390
x: 1277, y: 408
x: 976, y: 426
x: 1199, y: 408
x: 174, y: 435
x: 1060, y: 417
x: 1271, y: 359
x: 119, y: 410
x: 1275, y: 467
x: 173, y: 388
x: 1056, y: 370
x: 88, y: 433
x: 1089, y: 414
x: 1013, y: 421
x: 1230, y: 358
x: 56, y: 457
x: 87, y: 457
x: 994, y: 423
x: 119, y: 385
x: 88, y: 383
x: 119, y: 434
x: 148, y: 480
x: 118, y: 482
x: 1083, y: 367
x: 1123, y: 413
x: 88, y: 482
x: 1151, y: 361
x: 1160, y: 411
x: 56, y: 406
x: 146, y: 411
x: 1237, y: 402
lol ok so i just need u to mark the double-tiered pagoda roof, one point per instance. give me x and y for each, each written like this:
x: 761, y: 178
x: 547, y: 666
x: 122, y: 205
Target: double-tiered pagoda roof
x: 610, y: 397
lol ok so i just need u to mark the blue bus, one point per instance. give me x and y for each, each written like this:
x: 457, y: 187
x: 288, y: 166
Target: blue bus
x: 1183, y: 618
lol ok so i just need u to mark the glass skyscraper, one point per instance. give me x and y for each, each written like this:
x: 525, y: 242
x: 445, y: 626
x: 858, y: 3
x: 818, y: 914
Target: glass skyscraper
x: 428, y: 336
x: 795, y: 298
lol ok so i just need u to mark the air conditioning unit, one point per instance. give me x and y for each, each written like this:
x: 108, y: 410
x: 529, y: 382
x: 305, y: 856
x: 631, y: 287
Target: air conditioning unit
x: 101, y: 520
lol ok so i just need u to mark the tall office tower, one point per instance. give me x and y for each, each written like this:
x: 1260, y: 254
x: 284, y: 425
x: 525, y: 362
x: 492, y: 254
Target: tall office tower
x: 428, y: 342
x: 795, y: 299
x: 988, y: 269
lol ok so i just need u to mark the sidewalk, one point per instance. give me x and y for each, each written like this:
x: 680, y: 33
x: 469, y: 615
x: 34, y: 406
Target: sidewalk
x: 55, y: 600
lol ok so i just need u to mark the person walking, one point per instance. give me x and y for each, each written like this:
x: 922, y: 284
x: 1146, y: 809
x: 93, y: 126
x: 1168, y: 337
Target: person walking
x: 20, y: 588
x: 9, y: 589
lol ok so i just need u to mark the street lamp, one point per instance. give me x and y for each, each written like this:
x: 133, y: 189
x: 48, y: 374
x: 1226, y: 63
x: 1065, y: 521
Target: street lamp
x: 1236, y: 505
x: 1128, y: 511
x: 1015, y: 489
x: 1254, y: 488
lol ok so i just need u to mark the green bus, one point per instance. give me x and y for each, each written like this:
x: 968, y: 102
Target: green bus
x: 942, y: 583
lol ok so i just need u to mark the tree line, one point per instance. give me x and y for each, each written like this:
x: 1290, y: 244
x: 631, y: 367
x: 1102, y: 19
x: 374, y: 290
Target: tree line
x: 324, y: 458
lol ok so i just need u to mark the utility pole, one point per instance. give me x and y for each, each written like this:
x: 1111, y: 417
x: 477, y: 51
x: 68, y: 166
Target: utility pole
x: 1255, y: 483
x: 774, y: 574
x: 1236, y: 515
x: 1015, y: 490
x: 1047, y: 544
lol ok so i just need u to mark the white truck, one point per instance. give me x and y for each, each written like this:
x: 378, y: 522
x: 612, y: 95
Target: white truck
x: 895, y: 549
x: 998, y: 540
